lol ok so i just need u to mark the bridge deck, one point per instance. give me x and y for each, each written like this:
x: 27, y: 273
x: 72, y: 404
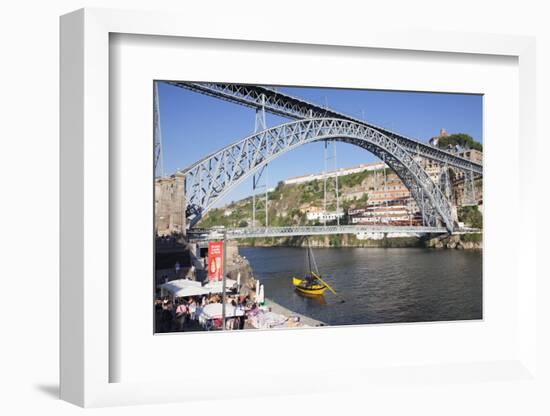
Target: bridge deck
x: 259, y: 232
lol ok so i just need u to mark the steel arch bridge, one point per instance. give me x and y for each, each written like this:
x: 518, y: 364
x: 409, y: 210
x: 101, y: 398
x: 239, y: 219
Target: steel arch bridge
x: 266, y: 99
x: 212, y: 177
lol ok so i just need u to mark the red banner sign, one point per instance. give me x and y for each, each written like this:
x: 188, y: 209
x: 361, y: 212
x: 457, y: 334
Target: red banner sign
x: 215, y: 260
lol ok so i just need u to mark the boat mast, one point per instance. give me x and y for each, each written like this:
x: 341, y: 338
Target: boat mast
x: 315, y: 268
x: 308, y: 257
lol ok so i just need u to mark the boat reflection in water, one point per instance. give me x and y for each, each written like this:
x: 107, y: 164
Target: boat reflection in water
x: 317, y: 300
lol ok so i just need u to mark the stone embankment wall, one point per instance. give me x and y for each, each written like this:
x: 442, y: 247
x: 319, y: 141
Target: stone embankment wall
x: 464, y: 242
x: 344, y: 240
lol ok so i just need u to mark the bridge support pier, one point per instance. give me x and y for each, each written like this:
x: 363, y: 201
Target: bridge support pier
x: 469, y: 189
x: 170, y: 205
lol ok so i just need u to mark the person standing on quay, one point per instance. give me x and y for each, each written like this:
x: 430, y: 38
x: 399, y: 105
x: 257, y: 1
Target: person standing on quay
x: 177, y: 268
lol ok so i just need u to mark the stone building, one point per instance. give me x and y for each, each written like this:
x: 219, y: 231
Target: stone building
x: 461, y: 197
x: 170, y: 204
x: 473, y: 154
x: 434, y: 140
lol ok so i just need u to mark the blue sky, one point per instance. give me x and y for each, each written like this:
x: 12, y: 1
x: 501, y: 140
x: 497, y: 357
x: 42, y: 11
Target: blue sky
x: 194, y: 125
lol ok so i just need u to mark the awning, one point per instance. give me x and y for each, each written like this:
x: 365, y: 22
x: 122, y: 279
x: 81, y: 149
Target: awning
x: 175, y: 286
x: 191, y: 291
x: 185, y: 287
x: 216, y: 287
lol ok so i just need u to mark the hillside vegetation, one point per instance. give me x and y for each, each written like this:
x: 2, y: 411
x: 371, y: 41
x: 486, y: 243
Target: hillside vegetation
x: 288, y: 202
x: 460, y: 139
x: 470, y: 216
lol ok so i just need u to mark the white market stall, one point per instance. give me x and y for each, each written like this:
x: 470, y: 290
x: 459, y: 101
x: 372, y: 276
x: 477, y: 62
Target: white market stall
x: 214, y: 310
x: 191, y: 291
x: 217, y: 286
x: 176, y: 287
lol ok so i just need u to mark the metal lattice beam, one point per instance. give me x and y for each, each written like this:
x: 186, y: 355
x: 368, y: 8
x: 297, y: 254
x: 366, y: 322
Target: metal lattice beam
x: 284, y: 105
x: 294, y: 231
x: 213, y: 176
x: 158, y: 161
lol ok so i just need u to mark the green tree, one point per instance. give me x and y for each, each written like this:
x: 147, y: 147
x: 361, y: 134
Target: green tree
x: 461, y: 139
x: 470, y: 216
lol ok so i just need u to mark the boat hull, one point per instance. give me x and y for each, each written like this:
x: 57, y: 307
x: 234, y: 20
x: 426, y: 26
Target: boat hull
x: 313, y: 290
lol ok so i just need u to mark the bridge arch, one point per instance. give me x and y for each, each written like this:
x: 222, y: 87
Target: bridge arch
x: 210, y: 178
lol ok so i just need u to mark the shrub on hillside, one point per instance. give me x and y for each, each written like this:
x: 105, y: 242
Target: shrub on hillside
x: 471, y: 216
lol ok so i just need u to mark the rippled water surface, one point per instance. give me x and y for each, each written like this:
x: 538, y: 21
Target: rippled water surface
x: 379, y: 285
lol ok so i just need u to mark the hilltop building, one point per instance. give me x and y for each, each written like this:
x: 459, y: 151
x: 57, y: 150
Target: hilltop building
x: 473, y: 154
x: 389, y: 203
x: 398, y: 212
x: 338, y: 172
x: 434, y: 140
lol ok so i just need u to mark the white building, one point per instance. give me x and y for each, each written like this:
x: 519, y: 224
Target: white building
x: 323, y: 216
x: 400, y: 212
x: 333, y: 173
x: 369, y: 236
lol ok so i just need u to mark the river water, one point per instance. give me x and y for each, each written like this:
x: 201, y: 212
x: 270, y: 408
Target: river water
x: 378, y: 285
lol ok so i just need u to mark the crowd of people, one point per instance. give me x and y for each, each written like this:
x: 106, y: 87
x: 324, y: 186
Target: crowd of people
x: 168, y: 240
x: 185, y: 314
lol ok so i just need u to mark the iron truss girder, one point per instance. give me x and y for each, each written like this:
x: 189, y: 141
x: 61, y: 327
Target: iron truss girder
x: 212, y: 177
x: 294, y: 231
x: 285, y: 105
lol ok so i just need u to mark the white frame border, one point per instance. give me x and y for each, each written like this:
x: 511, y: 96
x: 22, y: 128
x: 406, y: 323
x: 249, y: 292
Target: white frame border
x: 84, y: 182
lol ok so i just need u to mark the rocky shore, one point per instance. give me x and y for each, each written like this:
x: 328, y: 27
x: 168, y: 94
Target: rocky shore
x: 457, y: 241
x: 239, y: 264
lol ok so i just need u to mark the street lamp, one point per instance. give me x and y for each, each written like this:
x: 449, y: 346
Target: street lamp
x: 224, y: 272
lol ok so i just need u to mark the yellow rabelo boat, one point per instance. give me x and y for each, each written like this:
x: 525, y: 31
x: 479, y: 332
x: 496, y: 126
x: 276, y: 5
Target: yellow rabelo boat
x: 308, y: 286
x: 312, y: 284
